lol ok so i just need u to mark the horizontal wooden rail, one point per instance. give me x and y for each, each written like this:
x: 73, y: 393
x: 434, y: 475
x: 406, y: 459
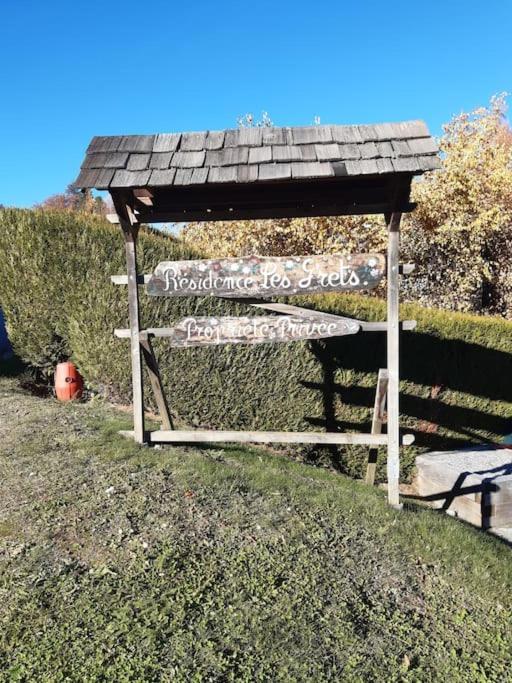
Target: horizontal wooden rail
x: 211, y: 436
x: 123, y: 279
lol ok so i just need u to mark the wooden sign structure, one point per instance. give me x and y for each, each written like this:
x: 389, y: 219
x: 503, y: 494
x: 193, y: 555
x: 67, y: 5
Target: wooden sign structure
x: 243, y: 279
x: 250, y: 280
x: 265, y: 173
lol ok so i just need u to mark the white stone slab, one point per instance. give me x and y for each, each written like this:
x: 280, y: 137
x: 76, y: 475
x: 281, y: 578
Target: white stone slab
x: 474, y: 483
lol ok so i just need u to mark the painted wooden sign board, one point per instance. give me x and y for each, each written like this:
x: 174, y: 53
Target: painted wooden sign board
x: 260, y: 276
x: 207, y: 331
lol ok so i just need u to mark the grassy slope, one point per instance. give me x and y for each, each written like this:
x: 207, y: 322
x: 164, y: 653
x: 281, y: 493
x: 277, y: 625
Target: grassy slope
x: 185, y: 564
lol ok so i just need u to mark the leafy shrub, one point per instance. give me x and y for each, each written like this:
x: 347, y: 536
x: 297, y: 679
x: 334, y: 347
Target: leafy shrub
x: 57, y: 297
x: 459, y: 236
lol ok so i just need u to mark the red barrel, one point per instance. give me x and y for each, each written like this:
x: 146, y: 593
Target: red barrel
x: 68, y: 382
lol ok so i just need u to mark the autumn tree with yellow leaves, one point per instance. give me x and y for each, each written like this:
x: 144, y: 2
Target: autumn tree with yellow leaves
x: 459, y: 236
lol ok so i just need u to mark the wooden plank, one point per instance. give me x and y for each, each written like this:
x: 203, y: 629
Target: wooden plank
x: 346, y: 134
x: 231, y: 156
x: 223, y: 174
x: 350, y: 195
x: 130, y: 178
x: 188, y: 159
x: 362, y: 167
x: 377, y: 420
x: 274, y: 171
x: 130, y: 232
x: 214, y: 139
x: 193, y: 142
x: 183, y: 175
x: 299, y: 209
x: 252, y: 137
x: 212, y: 436
x: 156, y: 382
x: 199, y: 176
x: 160, y: 160
x: 136, y: 143
x: 312, y: 169
x: 124, y: 333
x: 161, y: 178
x: 123, y: 279
x: 393, y: 342
x: 166, y: 142
x: 369, y: 150
x: 288, y: 309
x: 366, y: 325
x: 144, y: 196
x: 137, y: 162
x: 106, y: 160
x: 328, y: 152
x: 276, y: 136
x: 208, y: 331
x: 247, y: 173
x: 288, y: 152
x: 267, y: 276
x: 305, y: 135
x: 260, y: 155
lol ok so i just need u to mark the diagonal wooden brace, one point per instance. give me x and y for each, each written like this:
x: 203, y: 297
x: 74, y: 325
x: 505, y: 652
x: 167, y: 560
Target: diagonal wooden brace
x: 377, y: 420
x: 156, y: 382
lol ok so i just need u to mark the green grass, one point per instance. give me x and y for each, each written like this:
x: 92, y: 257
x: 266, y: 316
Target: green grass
x: 122, y: 563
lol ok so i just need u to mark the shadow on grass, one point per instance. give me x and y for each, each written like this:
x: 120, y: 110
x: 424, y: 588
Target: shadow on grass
x: 414, y: 505
x: 11, y: 367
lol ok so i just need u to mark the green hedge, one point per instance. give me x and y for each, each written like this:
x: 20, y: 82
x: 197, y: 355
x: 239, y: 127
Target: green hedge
x: 58, y: 301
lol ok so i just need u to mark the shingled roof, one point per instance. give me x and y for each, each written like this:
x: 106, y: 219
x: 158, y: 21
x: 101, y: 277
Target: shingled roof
x: 257, y: 155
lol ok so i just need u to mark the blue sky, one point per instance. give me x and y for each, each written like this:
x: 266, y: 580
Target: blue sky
x: 73, y: 70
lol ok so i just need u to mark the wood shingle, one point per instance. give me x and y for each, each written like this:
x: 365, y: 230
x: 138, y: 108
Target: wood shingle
x: 160, y: 160
x: 138, y: 162
x: 166, y: 142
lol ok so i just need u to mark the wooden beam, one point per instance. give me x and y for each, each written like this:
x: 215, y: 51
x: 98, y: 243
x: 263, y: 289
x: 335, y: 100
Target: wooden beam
x: 123, y: 279
x: 144, y: 196
x: 393, y: 348
x: 237, y: 214
x: 130, y: 232
x: 156, y: 382
x: 377, y: 420
x: 213, y: 436
x: 288, y: 309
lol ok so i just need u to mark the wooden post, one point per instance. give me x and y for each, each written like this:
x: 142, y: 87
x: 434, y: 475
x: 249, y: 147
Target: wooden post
x: 377, y: 420
x: 130, y: 231
x: 393, y: 346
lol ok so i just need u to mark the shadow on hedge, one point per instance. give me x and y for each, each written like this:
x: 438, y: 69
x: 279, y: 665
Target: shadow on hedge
x: 478, y: 371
